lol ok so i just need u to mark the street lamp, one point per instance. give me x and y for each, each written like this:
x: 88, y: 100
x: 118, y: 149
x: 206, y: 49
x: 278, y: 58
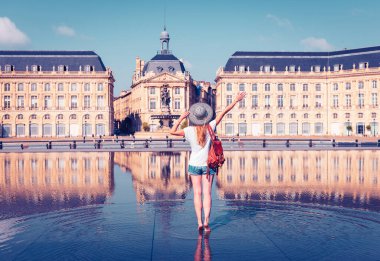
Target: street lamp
x: 348, y: 129
x: 57, y: 128
x: 2, y: 129
x: 297, y: 127
x: 374, y: 128
x: 85, y: 128
x: 30, y: 129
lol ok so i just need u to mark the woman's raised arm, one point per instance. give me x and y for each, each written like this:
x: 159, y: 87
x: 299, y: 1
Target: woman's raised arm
x: 173, y: 130
x: 238, y: 98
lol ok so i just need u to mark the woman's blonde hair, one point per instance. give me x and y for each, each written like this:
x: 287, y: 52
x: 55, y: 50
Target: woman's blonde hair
x: 201, y: 134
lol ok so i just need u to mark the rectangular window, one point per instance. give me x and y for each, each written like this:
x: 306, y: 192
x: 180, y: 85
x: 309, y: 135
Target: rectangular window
x: 100, y: 87
x: 20, y: 87
x: 374, y: 99
x: 242, y: 103
x: 374, y: 84
x: 87, y: 87
x: 267, y: 87
x: 7, y: 101
x: 280, y: 101
x: 335, y: 101
x: 152, y: 90
x: 61, y: 102
x: 318, y: 87
x: 267, y: 68
x: 267, y: 128
x: 360, y: 85
x: 255, y: 101
x: 293, y: 101
x: 152, y: 104
x: 20, y: 101
x: 361, y: 99
x: 87, y: 101
x: 348, y: 86
x: 292, y: 68
x: 305, y: 101
x: 60, y: 87
x: 348, y: 100
x: 318, y: 128
x: 254, y: 87
x: 47, y: 102
x: 305, y: 128
x: 177, y: 104
x: 242, y: 87
x: 318, y: 101
x: 316, y: 68
x: 33, y: 102
x: 229, y: 99
x: 100, y: 101
x: 335, y: 87
x: 305, y: 87
x: 229, y: 128
x: 267, y: 100
x: 73, y: 87
x: 280, y: 87
x: 33, y: 87
x: 47, y: 87
x: 242, y: 129
x: 177, y: 91
x: 229, y: 87
x: 292, y: 87
x: 74, y: 102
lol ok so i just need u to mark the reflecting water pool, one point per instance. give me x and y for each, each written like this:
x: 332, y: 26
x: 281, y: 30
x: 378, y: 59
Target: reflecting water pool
x: 283, y: 205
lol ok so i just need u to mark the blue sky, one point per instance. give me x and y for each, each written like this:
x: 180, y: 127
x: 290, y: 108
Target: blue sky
x: 203, y: 33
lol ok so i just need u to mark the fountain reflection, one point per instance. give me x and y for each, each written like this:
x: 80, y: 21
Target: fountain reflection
x: 42, y: 182
x: 344, y: 178
x: 156, y: 176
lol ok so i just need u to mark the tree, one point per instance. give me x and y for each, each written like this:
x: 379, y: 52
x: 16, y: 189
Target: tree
x: 145, y: 126
x: 349, y: 129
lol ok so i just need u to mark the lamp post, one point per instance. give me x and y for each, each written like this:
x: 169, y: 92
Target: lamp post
x: 2, y: 129
x: 85, y: 128
x: 271, y: 127
x: 348, y: 130
x: 30, y: 129
x: 374, y: 128
x: 297, y: 127
x: 57, y: 128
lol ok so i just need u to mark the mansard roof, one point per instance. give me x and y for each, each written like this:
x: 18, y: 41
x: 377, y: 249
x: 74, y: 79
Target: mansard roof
x: 47, y: 59
x: 164, y: 63
x: 304, y: 60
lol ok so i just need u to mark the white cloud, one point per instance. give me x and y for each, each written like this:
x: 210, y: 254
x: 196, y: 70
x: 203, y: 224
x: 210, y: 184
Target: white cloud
x: 65, y: 31
x: 317, y: 44
x: 281, y: 22
x: 10, y: 34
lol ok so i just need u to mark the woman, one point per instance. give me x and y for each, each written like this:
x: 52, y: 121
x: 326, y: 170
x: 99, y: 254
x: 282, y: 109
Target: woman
x: 201, y: 114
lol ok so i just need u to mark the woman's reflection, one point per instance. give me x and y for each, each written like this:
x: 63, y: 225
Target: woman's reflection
x: 205, y: 253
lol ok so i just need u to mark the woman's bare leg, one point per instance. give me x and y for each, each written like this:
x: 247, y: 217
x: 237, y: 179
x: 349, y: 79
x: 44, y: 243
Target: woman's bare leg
x: 197, y: 187
x: 206, y: 185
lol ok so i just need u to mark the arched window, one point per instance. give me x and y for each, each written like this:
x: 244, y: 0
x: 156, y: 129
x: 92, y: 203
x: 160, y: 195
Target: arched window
x: 267, y: 115
x: 242, y: 116
x: 293, y: 115
x: 20, y: 116
x: 99, y: 116
x: 87, y: 116
x: 254, y: 116
x: 73, y: 116
x: 6, y: 117
x: 47, y: 116
x: 33, y: 116
x: 60, y: 116
x: 280, y: 115
x: 306, y: 116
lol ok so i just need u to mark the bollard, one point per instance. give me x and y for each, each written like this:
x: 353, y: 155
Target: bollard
x: 233, y: 139
x: 170, y: 143
x: 356, y: 143
x: 150, y: 139
x: 333, y: 143
x: 98, y: 144
x: 146, y: 144
x: 310, y: 143
x: 378, y: 144
x: 122, y: 145
x: 22, y: 146
x: 70, y: 146
x: 287, y: 143
x: 264, y: 143
x: 74, y: 144
x: 84, y: 139
x: 1, y: 145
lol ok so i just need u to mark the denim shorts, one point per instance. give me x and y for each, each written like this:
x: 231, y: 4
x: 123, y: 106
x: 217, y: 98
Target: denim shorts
x: 200, y: 170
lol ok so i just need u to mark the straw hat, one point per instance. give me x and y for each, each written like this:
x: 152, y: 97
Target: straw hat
x: 200, y: 113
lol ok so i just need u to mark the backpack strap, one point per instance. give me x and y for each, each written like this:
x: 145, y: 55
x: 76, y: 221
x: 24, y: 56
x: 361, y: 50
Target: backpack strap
x: 213, y: 138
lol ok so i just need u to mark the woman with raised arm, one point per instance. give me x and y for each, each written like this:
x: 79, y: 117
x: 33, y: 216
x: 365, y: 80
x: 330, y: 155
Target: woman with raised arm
x: 200, y: 115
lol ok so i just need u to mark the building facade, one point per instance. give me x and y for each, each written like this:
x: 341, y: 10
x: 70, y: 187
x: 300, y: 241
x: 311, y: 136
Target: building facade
x: 161, y: 90
x: 55, y: 94
x: 301, y: 93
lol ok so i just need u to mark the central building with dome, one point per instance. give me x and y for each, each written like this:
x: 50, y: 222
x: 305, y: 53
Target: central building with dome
x: 161, y: 91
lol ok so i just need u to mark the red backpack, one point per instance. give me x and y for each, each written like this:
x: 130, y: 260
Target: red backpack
x: 215, y: 154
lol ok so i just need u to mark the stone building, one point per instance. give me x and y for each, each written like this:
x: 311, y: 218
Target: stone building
x: 55, y: 94
x: 161, y: 90
x: 301, y: 93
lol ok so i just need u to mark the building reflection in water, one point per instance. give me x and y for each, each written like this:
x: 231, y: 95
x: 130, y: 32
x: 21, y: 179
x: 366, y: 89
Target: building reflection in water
x: 345, y: 178
x: 156, y: 176
x: 41, y: 182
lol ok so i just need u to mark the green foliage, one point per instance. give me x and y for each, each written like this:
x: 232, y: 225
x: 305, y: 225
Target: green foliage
x: 145, y: 126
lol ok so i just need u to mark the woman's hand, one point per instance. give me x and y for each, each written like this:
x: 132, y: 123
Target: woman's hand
x: 184, y: 115
x: 240, y: 96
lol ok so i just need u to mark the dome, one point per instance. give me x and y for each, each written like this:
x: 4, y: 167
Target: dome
x: 164, y: 63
